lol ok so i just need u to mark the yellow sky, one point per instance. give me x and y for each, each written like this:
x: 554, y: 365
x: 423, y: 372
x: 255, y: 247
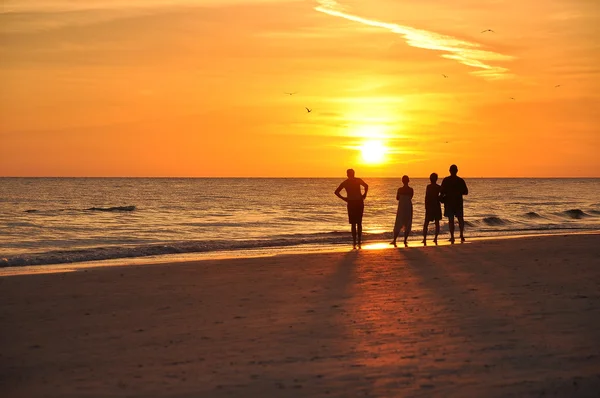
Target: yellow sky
x: 198, y: 87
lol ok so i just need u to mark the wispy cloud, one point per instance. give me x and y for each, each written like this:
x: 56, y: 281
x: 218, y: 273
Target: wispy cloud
x: 464, y: 52
x: 12, y: 6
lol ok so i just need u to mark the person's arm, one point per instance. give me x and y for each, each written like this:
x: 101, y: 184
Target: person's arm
x: 338, y: 190
x: 412, y: 193
x: 364, y: 184
x: 442, y: 194
x: 398, y: 194
x: 465, y: 189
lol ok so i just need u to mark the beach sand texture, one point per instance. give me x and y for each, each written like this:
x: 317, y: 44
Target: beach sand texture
x: 498, y: 318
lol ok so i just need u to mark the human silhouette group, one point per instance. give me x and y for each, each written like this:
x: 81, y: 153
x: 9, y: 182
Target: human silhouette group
x: 450, y: 193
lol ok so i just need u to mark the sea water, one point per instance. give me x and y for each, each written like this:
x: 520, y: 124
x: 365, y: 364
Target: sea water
x: 64, y: 220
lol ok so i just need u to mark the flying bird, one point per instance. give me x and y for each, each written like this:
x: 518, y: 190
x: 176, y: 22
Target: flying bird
x: 558, y: 85
x: 512, y: 98
x: 295, y: 92
x: 308, y: 110
x: 487, y: 30
x: 445, y: 76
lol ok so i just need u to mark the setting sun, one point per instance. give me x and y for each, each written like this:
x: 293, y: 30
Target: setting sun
x: 225, y: 80
x: 399, y: 189
x: 373, y: 152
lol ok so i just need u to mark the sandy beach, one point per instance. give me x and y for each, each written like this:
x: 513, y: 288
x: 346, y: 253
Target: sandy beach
x: 496, y: 318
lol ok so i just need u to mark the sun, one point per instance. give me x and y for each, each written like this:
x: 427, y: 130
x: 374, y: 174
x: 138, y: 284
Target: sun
x: 373, y: 152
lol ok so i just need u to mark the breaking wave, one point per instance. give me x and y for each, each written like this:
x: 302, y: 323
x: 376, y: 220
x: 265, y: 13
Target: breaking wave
x: 576, y: 214
x: 116, y: 252
x: 104, y: 209
x: 494, y: 221
x: 532, y: 214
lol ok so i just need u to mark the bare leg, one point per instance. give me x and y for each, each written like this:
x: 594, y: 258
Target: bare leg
x: 461, y: 226
x: 425, y: 227
x: 451, y: 227
x: 354, y: 236
x: 406, y: 233
x: 396, y: 233
x: 359, y: 233
x: 437, y: 230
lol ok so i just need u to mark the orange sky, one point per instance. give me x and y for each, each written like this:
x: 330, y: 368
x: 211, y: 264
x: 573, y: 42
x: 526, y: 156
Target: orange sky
x: 197, y: 87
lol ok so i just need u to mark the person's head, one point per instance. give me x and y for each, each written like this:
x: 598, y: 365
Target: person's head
x: 350, y: 173
x: 405, y: 180
x: 453, y: 170
x: 433, y: 178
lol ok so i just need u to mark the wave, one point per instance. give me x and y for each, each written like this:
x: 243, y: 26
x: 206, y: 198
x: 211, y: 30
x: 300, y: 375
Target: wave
x: 595, y: 212
x: 539, y: 228
x: 21, y: 224
x: 116, y: 252
x: 553, y: 203
x: 494, y: 221
x: 532, y: 214
x: 104, y: 209
x: 333, y: 238
x: 575, y: 213
x: 116, y: 208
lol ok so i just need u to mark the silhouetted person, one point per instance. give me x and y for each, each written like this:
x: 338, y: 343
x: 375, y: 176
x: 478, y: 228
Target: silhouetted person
x: 433, y: 208
x: 451, y: 193
x: 405, y: 211
x: 356, y: 205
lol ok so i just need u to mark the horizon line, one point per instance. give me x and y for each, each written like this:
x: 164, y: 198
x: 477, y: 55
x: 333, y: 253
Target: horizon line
x: 305, y: 177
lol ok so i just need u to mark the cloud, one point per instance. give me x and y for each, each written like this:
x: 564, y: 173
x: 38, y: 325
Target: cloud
x: 462, y: 51
x: 24, y: 16
x: 20, y: 6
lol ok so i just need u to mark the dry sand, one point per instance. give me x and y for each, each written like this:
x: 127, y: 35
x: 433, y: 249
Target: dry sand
x: 498, y: 318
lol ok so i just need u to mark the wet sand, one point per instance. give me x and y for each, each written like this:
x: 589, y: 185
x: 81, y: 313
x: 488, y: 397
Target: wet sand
x: 499, y: 318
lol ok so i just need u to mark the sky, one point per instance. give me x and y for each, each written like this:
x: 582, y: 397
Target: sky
x: 200, y: 88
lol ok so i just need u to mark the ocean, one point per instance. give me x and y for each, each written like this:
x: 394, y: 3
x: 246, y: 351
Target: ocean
x: 67, y: 220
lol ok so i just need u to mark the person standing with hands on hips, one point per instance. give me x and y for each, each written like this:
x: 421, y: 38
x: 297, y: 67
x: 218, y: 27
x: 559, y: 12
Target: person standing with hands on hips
x: 355, y: 204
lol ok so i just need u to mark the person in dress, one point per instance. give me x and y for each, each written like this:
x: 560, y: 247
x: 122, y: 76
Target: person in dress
x: 405, y: 211
x: 433, y: 208
x: 356, y: 205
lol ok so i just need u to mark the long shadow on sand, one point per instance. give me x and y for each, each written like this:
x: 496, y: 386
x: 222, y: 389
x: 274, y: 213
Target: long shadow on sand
x: 501, y: 332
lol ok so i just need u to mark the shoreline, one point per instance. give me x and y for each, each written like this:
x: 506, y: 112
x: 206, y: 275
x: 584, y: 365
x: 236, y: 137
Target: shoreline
x: 494, y: 318
x: 183, y: 258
